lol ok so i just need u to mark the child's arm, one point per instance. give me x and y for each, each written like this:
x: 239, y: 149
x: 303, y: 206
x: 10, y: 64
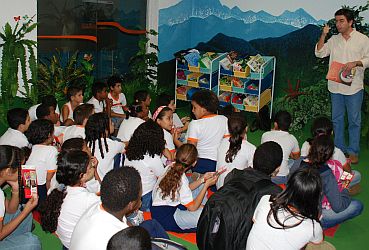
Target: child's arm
x: 295, y: 155
x: 198, y: 200
x: 168, y: 154
x: 49, y: 176
x: 113, y: 114
x: 7, y: 229
x: 11, y: 206
x: 176, y: 141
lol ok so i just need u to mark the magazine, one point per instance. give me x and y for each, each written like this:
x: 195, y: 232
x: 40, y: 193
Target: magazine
x: 29, y: 180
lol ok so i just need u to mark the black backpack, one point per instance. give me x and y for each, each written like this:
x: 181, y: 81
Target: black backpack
x: 226, y: 219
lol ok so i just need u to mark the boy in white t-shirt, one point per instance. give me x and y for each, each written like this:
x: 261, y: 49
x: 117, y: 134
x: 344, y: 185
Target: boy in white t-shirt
x: 207, y: 132
x: 119, y: 100
x: 100, y: 97
x: 75, y: 97
x: 80, y: 116
x: 49, y: 100
x: 287, y: 141
x: 19, y: 121
x: 120, y: 196
x: 47, y: 111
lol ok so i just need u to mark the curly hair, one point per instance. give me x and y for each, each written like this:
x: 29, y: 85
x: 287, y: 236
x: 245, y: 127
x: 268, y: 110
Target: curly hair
x: 39, y: 131
x: 148, y: 138
x: 71, y: 166
x: 97, y: 127
x: 185, y: 157
x: 321, y: 150
x: 236, y: 126
x: 206, y: 99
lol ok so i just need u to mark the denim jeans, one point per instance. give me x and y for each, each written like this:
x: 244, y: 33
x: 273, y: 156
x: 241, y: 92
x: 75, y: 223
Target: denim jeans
x: 21, y: 238
x: 331, y: 218
x: 146, y: 202
x: 352, y: 104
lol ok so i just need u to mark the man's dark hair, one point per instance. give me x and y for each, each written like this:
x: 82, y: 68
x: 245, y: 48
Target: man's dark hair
x: 114, y: 79
x: 206, y: 99
x: 130, y: 238
x: 43, y: 110
x: 349, y: 14
x: 97, y: 87
x: 283, y: 120
x: 16, y: 117
x: 119, y: 187
x: 268, y: 156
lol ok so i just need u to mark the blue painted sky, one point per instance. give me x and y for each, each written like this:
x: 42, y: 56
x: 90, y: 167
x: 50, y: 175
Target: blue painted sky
x: 317, y: 8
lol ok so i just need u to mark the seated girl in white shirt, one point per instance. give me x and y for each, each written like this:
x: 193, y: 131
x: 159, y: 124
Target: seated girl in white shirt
x: 144, y: 154
x: 291, y: 219
x: 66, y: 204
x: 234, y: 151
x: 173, y: 191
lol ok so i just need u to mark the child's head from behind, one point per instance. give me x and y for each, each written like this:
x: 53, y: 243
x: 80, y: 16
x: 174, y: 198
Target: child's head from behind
x: 130, y: 238
x: 41, y: 131
x: 321, y: 126
x: 82, y: 112
x: 121, y: 190
x: 166, y: 100
x: 75, y: 144
x: 204, y: 102
x: 142, y: 96
x: 321, y: 150
x: 301, y: 196
x: 282, y: 120
x: 18, y: 119
x: 268, y: 158
x: 115, y: 84
x: 148, y: 138
x: 164, y: 117
x: 11, y: 159
x: 99, y: 90
x: 237, y: 126
x: 47, y: 111
x: 75, y: 94
x: 138, y: 109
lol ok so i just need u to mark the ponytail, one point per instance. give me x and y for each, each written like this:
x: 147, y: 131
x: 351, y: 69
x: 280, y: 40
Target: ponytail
x: 50, y: 210
x: 236, y: 126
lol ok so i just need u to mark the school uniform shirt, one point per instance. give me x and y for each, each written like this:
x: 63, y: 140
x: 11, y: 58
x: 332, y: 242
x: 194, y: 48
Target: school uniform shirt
x: 337, y: 153
x: 95, y: 228
x: 74, y: 131
x: 59, y: 130
x: 128, y: 127
x: 2, y: 205
x: 288, y: 143
x: 98, y: 105
x: 70, y: 115
x: 14, y: 138
x: 107, y: 164
x: 263, y: 236
x: 242, y: 160
x: 169, y: 144
x: 183, y: 195
x: 150, y: 169
x: 44, y: 158
x: 118, y: 104
x: 32, y: 111
x: 76, y: 202
x: 208, y: 132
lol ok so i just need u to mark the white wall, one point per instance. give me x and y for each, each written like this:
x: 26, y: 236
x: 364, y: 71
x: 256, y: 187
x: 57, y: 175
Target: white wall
x: 13, y: 8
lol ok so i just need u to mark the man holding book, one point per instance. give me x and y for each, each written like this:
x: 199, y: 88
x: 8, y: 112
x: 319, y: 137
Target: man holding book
x: 350, y: 49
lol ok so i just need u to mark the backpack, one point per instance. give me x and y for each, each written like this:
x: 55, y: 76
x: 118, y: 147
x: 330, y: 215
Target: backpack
x: 226, y: 219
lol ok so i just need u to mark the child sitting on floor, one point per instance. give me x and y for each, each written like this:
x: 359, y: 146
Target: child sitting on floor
x: 144, y: 97
x: 66, y: 204
x: 100, y: 97
x: 43, y: 155
x: 49, y: 100
x: 80, y: 116
x: 75, y: 97
x: 119, y: 101
x: 18, y: 121
x: 235, y: 151
x: 207, y: 132
x: 288, y: 142
x: 173, y: 190
x: 47, y: 111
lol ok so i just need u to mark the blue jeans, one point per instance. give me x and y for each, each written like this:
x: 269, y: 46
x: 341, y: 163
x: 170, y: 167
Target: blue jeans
x: 146, y: 202
x: 331, y: 218
x: 21, y: 238
x: 352, y: 104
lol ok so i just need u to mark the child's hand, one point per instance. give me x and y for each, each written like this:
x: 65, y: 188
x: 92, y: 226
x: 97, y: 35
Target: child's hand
x: 208, y: 175
x: 32, y: 203
x: 185, y: 119
x: 211, y: 181
x: 94, y: 162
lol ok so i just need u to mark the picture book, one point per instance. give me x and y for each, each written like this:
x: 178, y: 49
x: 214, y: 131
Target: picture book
x: 29, y: 180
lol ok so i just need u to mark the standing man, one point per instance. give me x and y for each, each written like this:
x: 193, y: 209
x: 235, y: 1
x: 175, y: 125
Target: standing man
x: 350, y: 48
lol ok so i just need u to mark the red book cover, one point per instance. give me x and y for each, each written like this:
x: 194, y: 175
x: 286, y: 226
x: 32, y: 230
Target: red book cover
x: 29, y: 180
x: 337, y: 73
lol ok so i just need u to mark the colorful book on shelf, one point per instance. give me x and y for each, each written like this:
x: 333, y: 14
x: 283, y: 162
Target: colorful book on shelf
x: 338, y: 74
x: 256, y: 62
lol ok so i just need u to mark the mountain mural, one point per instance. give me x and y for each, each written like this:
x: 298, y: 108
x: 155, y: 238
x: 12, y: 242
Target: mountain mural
x: 187, y: 9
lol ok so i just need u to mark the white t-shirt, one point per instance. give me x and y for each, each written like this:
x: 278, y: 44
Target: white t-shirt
x: 59, y: 130
x: 95, y: 228
x: 44, y: 158
x: 177, y: 121
x: 77, y: 201
x: 32, y: 111
x: 150, y: 169
x: 243, y: 159
x: 262, y: 236
x: 208, y: 132
x: 169, y: 144
x: 98, y: 105
x: 183, y: 195
x: 107, y: 164
x: 2, y: 205
x: 288, y: 143
x: 337, y: 153
x: 70, y: 114
x: 74, y: 131
x: 118, y: 104
x: 14, y: 138
x: 128, y: 127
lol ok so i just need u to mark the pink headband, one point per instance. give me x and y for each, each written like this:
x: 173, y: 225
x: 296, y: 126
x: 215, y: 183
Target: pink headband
x: 157, y: 112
